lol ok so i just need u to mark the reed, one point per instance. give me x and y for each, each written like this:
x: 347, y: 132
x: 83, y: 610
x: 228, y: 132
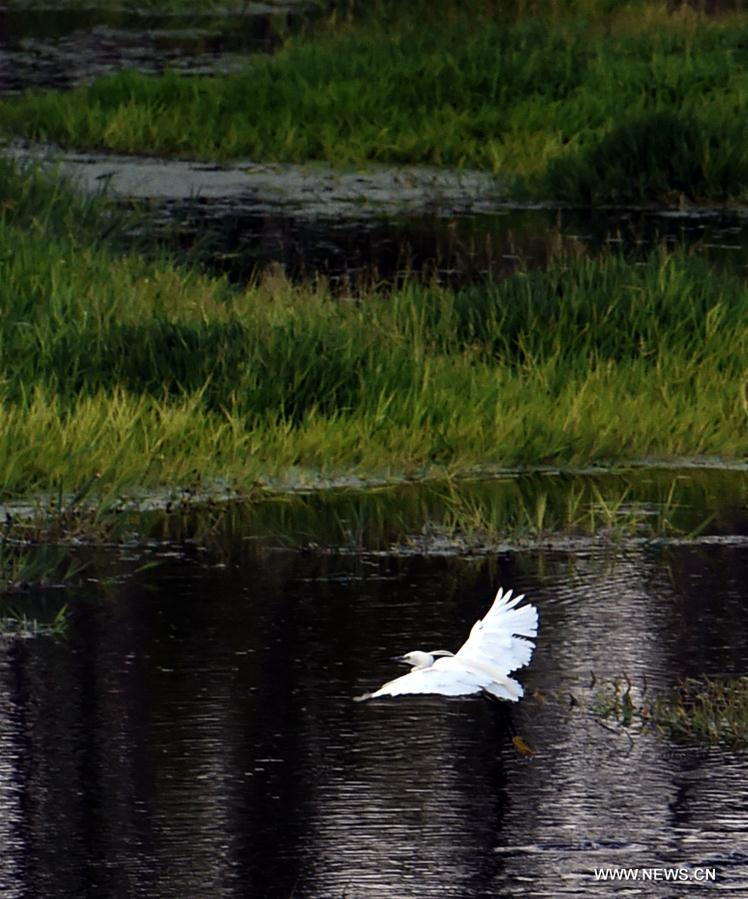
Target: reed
x: 708, y: 710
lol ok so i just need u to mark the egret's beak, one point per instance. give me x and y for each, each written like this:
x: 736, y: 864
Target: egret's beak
x: 401, y: 659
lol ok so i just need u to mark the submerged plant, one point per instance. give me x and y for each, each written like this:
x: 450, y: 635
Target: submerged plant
x: 25, y: 567
x: 16, y: 623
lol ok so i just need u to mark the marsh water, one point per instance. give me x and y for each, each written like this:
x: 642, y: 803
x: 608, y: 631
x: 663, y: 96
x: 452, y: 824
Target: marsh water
x: 195, y: 732
x: 373, y: 224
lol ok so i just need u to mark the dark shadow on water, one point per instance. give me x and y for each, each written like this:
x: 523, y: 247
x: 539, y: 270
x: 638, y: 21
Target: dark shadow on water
x: 353, y: 252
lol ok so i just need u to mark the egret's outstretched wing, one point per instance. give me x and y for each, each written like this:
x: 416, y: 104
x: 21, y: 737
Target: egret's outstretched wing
x: 449, y: 681
x: 498, y: 641
x: 450, y: 677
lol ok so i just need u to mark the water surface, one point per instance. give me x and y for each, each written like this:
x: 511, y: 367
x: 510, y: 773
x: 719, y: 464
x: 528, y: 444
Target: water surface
x: 195, y: 733
x: 374, y: 224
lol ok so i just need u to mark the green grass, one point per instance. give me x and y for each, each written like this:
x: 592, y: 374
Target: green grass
x: 136, y: 372
x: 42, y: 617
x: 16, y: 624
x: 597, y: 102
x: 25, y: 566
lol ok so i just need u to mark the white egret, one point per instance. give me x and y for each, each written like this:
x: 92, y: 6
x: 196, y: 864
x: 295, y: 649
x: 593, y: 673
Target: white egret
x: 498, y: 645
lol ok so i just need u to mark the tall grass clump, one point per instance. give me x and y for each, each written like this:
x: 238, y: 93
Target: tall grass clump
x: 670, y: 156
x: 707, y: 710
x: 583, y: 101
x: 36, y: 202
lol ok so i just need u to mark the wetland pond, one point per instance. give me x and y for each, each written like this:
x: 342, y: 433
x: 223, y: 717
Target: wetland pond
x: 357, y: 227
x: 194, y: 732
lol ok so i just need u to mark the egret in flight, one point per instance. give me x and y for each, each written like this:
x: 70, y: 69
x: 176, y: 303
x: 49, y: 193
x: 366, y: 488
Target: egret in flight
x: 498, y: 645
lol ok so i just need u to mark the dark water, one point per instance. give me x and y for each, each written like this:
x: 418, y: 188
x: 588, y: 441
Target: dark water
x: 60, y: 48
x: 374, y: 224
x: 195, y: 733
x: 454, y: 249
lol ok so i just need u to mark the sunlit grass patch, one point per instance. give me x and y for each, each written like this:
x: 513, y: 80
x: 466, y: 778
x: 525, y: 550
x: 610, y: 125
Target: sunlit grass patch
x: 130, y: 439
x: 582, y: 102
x: 143, y: 372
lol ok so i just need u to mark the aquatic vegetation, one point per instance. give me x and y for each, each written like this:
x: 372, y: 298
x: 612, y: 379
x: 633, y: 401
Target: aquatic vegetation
x: 616, y: 701
x: 586, y: 102
x: 25, y: 566
x: 704, y: 710
x: 17, y: 624
x: 459, y: 516
x: 712, y: 710
x: 541, y: 508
